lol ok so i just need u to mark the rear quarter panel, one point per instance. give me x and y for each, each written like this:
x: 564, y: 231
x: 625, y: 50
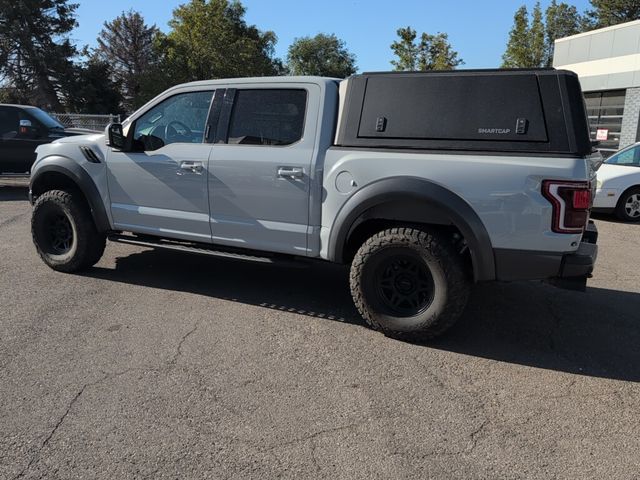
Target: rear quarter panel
x: 505, y: 191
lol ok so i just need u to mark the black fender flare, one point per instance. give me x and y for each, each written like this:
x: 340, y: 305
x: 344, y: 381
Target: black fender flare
x: 393, y: 197
x: 80, y: 178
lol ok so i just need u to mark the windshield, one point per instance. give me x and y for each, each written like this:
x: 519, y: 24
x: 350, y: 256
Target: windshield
x: 45, y: 118
x: 628, y: 157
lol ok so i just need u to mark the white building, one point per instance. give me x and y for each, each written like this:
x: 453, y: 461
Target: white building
x: 608, y: 64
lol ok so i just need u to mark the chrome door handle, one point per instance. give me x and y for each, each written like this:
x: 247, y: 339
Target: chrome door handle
x: 193, y: 167
x: 290, y: 172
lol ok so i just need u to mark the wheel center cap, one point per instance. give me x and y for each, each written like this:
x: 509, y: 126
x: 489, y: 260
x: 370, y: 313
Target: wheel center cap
x: 404, y: 284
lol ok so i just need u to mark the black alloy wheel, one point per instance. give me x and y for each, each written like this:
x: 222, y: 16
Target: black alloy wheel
x: 60, y: 233
x: 404, y: 285
x: 409, y: 282
x: 64, y: 233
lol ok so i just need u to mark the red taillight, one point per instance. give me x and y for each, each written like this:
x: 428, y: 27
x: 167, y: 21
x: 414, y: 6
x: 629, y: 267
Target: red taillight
x: 581, y: 199
x: 571, y: 203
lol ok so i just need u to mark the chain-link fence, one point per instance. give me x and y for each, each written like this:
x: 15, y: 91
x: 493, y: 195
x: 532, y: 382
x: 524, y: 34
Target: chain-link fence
x: 81, y: 120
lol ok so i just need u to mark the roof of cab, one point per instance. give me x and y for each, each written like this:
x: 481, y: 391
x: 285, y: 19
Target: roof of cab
x: 16, y: 105
x: 323, y: 82
x: 258, y: 80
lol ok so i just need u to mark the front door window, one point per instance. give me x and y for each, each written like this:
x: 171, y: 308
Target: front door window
x: 178, y: 119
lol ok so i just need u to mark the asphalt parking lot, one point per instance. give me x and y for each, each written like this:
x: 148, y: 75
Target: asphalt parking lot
x: 161, y: 365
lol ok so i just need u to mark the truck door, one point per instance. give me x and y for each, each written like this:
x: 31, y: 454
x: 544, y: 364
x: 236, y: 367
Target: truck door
x: 16, y: 150
x: 20, y: 134
x: 259, y: 168
x: 8, y: 131
x: 160, y: 187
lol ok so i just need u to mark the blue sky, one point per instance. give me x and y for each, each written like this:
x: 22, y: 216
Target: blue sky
x: 478, y: 29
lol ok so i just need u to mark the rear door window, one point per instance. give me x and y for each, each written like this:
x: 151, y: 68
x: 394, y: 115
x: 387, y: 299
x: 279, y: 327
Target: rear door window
x: 273, y: 117
x: 9, y: 122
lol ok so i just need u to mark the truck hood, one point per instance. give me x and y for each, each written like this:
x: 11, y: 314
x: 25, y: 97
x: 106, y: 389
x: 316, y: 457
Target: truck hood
x: 92, y: 137
x: 80, y: 131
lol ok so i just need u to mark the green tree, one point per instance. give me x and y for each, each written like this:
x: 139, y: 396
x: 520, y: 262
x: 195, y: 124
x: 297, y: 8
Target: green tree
x: 517, y: 54
x: 323, y: 55
x: 538, y: 47
x: 561, y: 20
x: 211, y: 39
x: 36, y: 55
x: 527, y: 46
x: 95, y: 90
x: 432, y: 52
x: 436, y: 53
x: 406, y: 50
x: 127, y: 44
x: 612, y: 12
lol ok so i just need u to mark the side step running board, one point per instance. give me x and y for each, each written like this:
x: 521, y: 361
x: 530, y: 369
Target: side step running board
x: 203, y: 249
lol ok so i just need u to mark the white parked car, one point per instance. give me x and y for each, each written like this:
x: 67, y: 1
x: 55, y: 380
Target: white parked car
x: 618, y: 186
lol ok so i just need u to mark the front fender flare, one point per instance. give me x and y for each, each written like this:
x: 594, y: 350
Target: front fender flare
x: 441, y: 206
x: 81, y: 178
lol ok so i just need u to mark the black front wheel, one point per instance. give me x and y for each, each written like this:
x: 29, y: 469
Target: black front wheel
x: 64, y: 233
x: 409, y: 282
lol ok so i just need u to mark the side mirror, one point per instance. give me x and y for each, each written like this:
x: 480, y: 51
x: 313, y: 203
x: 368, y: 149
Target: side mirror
x: 116, y: 136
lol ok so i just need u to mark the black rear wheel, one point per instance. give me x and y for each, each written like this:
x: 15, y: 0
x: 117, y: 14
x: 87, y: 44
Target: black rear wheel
x: 409, y: 283
x: 64, y: 233
x: 404, y: 284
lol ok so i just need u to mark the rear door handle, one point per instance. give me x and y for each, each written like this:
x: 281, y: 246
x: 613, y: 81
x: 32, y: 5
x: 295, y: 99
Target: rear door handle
x: 290, y: 172
x: 193, y: 167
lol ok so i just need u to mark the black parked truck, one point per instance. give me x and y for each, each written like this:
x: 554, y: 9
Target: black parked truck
x: 22, y: 129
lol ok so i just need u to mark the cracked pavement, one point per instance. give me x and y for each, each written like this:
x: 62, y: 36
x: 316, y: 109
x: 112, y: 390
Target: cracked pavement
x: 164, y: 365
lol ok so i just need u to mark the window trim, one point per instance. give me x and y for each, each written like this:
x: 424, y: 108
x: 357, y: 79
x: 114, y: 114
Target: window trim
x: 213, y: 117
x: 230, y: 99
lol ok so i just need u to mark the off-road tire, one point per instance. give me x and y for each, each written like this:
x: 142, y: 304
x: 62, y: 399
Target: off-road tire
x: 621, y: 211
x: 432, y: 250
x: 86, y: 246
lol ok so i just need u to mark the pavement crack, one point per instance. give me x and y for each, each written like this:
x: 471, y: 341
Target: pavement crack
x: 178, y: 352
x: 36, y: 457
x: 11, y: 220
x: 314, y: 459
x: 473, y: 436
x: 313, y: 436
x: 473, y: 442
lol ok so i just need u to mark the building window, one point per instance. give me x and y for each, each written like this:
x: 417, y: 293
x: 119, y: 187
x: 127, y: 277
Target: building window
x: 605, y: 110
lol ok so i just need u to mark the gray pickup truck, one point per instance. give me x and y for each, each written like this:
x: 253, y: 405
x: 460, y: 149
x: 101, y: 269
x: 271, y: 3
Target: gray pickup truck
x: 423, y: 183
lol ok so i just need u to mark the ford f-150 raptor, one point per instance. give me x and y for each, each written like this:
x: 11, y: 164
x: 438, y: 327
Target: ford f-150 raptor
x: 423, y: 183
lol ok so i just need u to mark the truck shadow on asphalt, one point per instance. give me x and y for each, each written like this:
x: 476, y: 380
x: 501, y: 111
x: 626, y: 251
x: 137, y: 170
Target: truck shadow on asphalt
x: 595, y: 333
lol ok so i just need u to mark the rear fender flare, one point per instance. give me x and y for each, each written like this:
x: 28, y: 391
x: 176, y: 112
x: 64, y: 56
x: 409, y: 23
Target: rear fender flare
x: 395, y: 199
